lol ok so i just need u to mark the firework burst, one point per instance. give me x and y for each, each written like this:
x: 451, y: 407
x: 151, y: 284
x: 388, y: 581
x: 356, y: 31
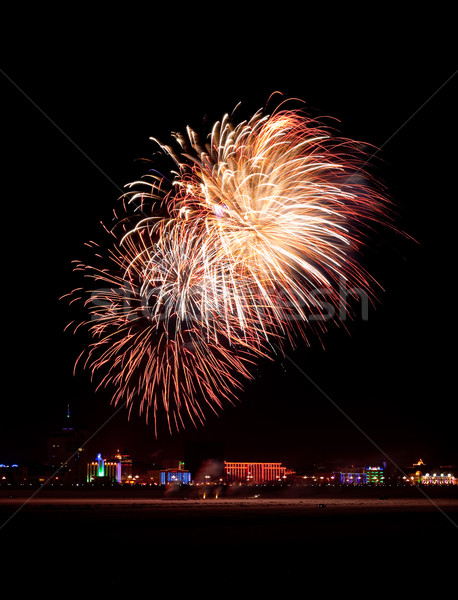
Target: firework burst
x: 264, y: 219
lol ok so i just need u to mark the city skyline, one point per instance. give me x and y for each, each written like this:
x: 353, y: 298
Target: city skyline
x: 79, y: 470
x: 69, y: 453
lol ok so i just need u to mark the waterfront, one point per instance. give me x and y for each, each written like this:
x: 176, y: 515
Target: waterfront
x: 125, y: 540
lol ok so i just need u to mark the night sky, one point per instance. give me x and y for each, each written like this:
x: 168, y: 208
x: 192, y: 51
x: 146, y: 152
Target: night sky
x: 79, y: 104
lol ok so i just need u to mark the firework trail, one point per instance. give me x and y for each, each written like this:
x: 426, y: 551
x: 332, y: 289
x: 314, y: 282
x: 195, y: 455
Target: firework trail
x: 262, y: 221
x: 151, y: 337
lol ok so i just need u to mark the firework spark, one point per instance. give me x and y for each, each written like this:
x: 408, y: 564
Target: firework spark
x: 262, y: 221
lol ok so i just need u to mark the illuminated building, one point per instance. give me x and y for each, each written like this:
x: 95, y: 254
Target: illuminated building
x: 353, y: 478
x: 418, y: 474
x: 124, y: 467
x: 416, y: 477
x: 362, y: 476
x: 253, y: 472
x: 375, y: 475
x: 179, y: 476
x: 439, y: 479
x: 112, y: 470
x: 101, y: 469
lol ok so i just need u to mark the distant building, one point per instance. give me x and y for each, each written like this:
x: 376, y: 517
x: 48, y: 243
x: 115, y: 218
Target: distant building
x: 413, y: 473
x: 104, y: 470
x: 439, y: 479
x: 175, y: 476
x: 125, y: 463
x: 168, y: 471
x: 65, y: 453
x: 420, y: 474
x: 13, y: 474
x: 254, y: 472
x: 352, y: 478
x: 375, y: 475
x: 362, y: 476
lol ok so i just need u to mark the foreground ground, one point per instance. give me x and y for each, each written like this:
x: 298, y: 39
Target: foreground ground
x: 125, y: 540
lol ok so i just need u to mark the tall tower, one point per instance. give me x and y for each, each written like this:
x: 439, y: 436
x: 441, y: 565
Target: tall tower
x: 65, y: 452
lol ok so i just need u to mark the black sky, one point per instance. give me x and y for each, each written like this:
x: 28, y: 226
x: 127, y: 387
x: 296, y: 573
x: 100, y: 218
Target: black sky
x: 79, y: 104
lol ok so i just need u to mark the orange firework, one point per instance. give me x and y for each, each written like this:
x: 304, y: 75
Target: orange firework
x: 151, y: 339
x: 263, y: 221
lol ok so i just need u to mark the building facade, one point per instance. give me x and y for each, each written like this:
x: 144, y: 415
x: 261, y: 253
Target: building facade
x: 254, y: 472
x: 177, y: 476
x: 352, y: 478
x: 125, y: 467
x: 104, y: 470
x: 362, y: 476
x: 439, y: 479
